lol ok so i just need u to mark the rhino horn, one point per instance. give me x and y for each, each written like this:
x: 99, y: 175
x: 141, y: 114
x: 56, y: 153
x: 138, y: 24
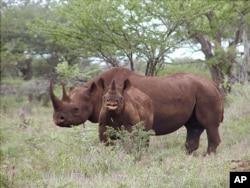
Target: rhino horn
x: 65, y: 97
x: 113, y: 85
x: 55, y: 101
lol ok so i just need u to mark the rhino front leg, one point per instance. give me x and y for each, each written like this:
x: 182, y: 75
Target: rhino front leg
x: 103, y: 138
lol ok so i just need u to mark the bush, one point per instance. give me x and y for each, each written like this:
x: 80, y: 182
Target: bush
x: 135, y: 142
x: 75, y: 73
x: 187, y: 67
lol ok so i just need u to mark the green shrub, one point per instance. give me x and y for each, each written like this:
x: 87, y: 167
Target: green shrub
x: 65, y: 70
x: 73, y: 73
x: 197, y: 68
x: 134, y: 142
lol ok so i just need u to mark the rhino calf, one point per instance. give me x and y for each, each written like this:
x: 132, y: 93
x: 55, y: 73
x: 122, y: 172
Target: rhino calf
x: 125, y: 105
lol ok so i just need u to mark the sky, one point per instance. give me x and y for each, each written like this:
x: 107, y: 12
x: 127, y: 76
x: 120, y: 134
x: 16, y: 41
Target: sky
x: 189, y: 53
x: 186, y: 52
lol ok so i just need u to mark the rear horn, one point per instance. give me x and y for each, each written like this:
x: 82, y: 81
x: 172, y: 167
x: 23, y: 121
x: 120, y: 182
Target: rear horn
x: 65, y: 97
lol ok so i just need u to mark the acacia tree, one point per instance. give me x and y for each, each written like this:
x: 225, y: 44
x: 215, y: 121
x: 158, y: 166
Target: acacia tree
x: 125, y: 31
x: 15, y: 38
x: 117, y: 31
x: 22, y: 48
x: 218, y: 28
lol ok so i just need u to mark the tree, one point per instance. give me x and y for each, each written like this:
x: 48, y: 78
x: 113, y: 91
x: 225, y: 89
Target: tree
x: 126, y: 32
x: 22, y: 48
x: 115, y: 31
x: 15, y: 39
x: 218, y: 28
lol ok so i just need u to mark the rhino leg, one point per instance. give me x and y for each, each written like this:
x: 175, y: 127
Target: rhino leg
x: 102, y: 137
x: 213, y: 139
x: 209, y: 112
x: 210, y: 119
x: 194, y: 131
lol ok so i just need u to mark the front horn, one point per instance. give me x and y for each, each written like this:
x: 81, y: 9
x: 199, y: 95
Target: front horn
x: 55, y: 101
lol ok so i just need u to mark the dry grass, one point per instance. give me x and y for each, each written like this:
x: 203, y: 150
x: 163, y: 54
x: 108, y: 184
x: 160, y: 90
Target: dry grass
x: 35, y: 153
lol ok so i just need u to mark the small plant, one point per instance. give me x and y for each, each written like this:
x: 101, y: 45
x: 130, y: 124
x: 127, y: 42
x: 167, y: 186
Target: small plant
x: 24, y: 122
x: 74, y: 73
x: 134, y: 142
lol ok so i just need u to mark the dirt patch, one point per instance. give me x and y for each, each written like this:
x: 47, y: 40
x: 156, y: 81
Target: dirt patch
x: 240, y: 165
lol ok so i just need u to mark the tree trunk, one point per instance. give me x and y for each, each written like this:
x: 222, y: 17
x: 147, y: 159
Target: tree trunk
x: 150, y: 68
x: 221, y: 70
x: 52, y: 61
x: 26, y: 70
x: 219, y: 78
x: 131, y: 62
x: 243, y: 68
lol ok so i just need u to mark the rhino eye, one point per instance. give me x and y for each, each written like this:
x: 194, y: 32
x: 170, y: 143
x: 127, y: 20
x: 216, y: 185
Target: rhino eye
x: 75, y: 110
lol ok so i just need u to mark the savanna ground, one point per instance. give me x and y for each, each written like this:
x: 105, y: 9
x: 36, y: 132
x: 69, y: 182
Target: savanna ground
x: 35, y: 153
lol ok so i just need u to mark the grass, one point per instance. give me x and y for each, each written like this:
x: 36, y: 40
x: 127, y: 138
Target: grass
x: 35, y: 153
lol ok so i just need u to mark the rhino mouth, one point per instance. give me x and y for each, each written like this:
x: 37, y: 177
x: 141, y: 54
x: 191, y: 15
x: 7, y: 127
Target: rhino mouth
x: 112, y: 106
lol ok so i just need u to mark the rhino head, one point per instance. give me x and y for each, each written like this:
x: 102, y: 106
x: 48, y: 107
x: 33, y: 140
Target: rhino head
x: 113, y: 98
x: 75, y: 108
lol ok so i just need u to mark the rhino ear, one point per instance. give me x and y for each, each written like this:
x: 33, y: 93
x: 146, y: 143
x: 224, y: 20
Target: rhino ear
x: 101, y: 83
x: 127, y: 85
x: 71, y: 89
x: 92, y: 88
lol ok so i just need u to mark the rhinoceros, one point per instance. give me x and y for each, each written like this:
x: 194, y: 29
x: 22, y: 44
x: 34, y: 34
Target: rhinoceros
x: 124, y: 106
x: 180, y: 99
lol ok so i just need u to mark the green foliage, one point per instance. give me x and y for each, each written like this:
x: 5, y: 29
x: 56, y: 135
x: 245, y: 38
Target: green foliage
x: 11, y: 81
x: 16, y: 92
x: 4, y: 183
x: 18, y: 43
x: 116, y: 32
x: 73, y: 72
x: 134, y: 143
x: 185, y: 66
x: 41, y: 68
x: 64, y: 70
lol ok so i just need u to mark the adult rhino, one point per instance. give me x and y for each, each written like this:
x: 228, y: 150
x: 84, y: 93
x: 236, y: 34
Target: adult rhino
x: 179, y: 99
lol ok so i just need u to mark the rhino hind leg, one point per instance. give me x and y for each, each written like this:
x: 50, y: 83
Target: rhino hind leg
x: 213, y: 139
x: 194, y: 131
x: 210, y: 121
